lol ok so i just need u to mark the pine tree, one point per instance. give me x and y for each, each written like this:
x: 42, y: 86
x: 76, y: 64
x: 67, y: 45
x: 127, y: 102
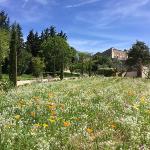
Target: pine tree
x: 46, y: 34
x: 37, y: 45
x: 30, y: 41
x: 4, y: 20
x: 33, y: 43
x: 13, y: 55
x: 52, y: 31
x: 63, y: 35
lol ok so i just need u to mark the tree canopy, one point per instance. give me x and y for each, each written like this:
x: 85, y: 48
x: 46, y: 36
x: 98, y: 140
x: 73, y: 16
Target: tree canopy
x: 138, y: 52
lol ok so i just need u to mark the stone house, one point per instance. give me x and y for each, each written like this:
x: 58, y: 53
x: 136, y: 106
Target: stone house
x: 116, y: 54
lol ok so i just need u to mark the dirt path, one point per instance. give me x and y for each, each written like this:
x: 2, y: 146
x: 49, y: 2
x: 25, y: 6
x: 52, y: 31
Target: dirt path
x: 20, y: 83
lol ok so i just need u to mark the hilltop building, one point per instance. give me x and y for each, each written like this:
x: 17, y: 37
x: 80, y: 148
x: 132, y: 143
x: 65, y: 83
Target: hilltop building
x: 116, y: 54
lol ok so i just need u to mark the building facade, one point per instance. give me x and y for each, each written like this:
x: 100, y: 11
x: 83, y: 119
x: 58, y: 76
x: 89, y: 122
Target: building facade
x: 116, y: 54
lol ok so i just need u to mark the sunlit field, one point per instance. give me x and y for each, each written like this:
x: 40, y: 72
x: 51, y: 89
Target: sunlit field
x: 84, y: 114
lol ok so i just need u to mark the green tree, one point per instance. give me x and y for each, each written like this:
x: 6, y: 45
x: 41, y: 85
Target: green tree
x: 33, y: 44
x: 63, y: 35
x: 37, y: 66
x: 52, y: 31
x: 4, y: 47
x: 13, y: 55
x: 84, y: 62
x: 73, y: 60
x: 4, y: 20
x: 24, y: 61
x: 56, y: 53
x: 20, y: 50
x: 4, y: 38
x: 138, y: 56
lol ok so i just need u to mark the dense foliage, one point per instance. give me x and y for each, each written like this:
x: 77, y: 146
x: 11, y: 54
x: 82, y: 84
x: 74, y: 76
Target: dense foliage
x: 138, y: 56
x: 4, y: 38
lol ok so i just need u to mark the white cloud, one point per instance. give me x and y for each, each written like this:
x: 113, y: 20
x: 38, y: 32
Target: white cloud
x: 113, y: 12
x: 82, y: 3
x: 42, y: 2
x: 97, y: 45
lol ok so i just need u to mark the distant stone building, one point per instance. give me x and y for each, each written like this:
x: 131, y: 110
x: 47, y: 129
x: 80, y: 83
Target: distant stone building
x: 115, y: 53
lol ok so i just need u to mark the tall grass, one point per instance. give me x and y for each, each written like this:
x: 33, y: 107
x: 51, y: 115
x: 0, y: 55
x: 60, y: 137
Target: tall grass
x: 91, y: 113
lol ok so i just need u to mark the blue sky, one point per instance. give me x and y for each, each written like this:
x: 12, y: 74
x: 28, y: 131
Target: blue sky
x: 91, y: 25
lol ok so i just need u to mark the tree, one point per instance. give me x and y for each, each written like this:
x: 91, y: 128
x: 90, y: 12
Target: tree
x: 4, y: 20
x: 73, y: 59
x: 138, y: 56
x: 83, y: 62
x: 24, y: 61
x: 63, y: 35
x: 37, y: 66
x: 4, y: 38
x: 52, y: 31
x: 90, y: 65
x: 21, y: 55
x: 33, y: 44
x: 13, y: 55
x: 56, y: 53
x: 4, y: 47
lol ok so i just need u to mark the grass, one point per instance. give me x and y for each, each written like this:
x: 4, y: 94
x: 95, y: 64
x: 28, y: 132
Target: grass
x: 22, y: 77
x: 90, y: 113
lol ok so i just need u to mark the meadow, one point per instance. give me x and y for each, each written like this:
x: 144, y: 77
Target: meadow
x: 83, y: 114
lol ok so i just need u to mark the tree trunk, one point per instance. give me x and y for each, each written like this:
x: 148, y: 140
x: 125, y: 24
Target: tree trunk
x: 82, y: 68
x: 139, y: 69
x: 13, y: 59
x: 0, y: 70
x: 54, y: 70
x: 90, y: 68
x: 62, y: 68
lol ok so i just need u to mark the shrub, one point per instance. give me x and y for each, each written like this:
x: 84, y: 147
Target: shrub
x: 106, y: 72
x: 5, y: 85
x: 37, y: 66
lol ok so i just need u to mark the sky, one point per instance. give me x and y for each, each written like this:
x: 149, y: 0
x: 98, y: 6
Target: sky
x: 91, y: 25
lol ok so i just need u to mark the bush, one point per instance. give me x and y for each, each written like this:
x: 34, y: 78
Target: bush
x: 37, y: 66
x: 5, y: 85
x: 106, y: 72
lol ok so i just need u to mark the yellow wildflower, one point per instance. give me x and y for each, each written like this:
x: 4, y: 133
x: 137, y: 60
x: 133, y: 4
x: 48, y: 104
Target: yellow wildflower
x: 53, y: 113
x: 45, y: 125
x: 50, y: 95
x: 142, y: 100
x: 52, y: 106
x: 32, y: 114
x: 113, y: 125
x: 136, y: 107
x: 67, y: 124
x: 148, y: 111
x: 53, y: 117
x: 36, y: 98
x: 130, y: 93
x: 17, y: 117
x: 77, y: 119
x: 52, y: 121
x: 89, y: 130
x: 37, y: 125
x: 21, y: 103
x: 7, y: 126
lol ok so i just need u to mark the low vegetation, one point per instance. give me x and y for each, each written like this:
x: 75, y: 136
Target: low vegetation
x: 89, y: 113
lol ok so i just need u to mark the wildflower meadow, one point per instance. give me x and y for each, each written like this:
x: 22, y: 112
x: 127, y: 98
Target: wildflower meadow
x: 83, y: 114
